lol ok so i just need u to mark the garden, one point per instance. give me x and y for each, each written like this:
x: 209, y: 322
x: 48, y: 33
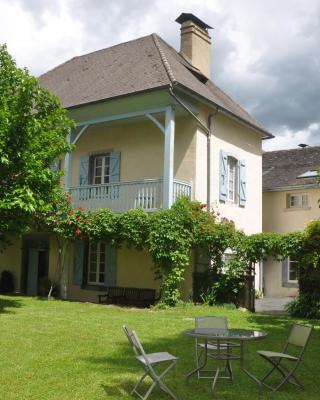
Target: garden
x: 67, y: 350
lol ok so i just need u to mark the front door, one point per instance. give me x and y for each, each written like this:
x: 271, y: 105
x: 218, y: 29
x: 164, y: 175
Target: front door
x: 36, y: 266
x: 32, y: 274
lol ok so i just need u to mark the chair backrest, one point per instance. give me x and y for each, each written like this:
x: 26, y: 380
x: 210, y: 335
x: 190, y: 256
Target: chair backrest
x: 299, y: 335
x: 135, y: 343
x: 202, y: 324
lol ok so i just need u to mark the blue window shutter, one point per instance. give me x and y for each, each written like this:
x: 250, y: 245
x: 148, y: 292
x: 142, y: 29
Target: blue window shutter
x: 114, y: 167
x: 84, y: 170
x: 242, y: 183
x: 78, y: 260
x: 110, y: 276
x: 223, y: 175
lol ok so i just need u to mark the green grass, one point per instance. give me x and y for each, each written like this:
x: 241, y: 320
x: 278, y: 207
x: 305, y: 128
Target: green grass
x: 77, y: 351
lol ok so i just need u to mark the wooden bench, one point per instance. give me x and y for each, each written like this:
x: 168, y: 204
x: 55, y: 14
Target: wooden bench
x: 138, y: 297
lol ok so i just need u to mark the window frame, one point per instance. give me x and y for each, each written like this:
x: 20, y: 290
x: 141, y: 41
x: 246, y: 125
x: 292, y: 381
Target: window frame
x: 290, y: 262
x: 93, y: 167
x: 303, y: 201
x: 236, y: 180
x: 97, y: 272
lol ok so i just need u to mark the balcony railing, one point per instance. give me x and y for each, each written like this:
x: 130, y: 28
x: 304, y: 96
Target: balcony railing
x: 122, y: 196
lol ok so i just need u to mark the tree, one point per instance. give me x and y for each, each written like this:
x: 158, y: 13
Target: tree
x: 33, y: 129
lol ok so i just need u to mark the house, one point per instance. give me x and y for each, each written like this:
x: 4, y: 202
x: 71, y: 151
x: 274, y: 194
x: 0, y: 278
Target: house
x: 151, y: 126
x: 290, y: 200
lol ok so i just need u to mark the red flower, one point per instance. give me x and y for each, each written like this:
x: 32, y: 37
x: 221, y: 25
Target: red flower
x: 80, y: 208
x: 79, y: 219
x: 77, y: 232
x: 203, y: 206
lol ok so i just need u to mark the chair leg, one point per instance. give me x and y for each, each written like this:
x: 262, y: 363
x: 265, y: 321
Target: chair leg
x: 288, y: 375
x: 139, y: 382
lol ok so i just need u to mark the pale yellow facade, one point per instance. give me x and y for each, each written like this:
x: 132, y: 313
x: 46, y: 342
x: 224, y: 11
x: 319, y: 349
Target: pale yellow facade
x: 140, y: 143
x: 10, y: 260
x: 278, y: 217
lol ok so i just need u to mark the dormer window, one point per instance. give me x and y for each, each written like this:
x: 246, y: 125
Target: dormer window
x: 100, y: 169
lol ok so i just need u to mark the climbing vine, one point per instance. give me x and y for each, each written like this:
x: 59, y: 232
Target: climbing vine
x: 170, y: 236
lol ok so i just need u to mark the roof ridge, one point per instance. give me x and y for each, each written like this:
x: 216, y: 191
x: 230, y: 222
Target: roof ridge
x: 294, y: 149
x: 164, y: 59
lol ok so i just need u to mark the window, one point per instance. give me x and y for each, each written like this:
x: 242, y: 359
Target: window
x: 299, y: 200
x: 232, y: 180
x: 96, y: 263
x: 100, y: 169
x: 292, y: 270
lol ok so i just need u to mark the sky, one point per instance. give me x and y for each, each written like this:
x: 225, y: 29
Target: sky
x: 265, y: 54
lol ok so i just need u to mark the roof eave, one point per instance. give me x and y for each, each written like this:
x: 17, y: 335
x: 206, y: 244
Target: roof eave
x: 89, y: 103
x: 266, y: 134
x: 291, y: 187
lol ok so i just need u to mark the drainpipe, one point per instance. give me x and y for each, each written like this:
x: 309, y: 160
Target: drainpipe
x: 208, y: 130
x: 209, y: 134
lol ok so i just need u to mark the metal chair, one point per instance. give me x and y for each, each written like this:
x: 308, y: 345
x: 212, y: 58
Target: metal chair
x: 213, y: 349
x: 148, y: 363
x: 298, y: 338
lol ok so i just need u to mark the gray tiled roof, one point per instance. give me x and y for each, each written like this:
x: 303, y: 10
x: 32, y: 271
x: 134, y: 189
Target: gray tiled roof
x: 281, y: 168
x: 143, y: 64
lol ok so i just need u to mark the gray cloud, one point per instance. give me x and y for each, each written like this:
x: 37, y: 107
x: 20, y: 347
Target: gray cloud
x: 280, y: 81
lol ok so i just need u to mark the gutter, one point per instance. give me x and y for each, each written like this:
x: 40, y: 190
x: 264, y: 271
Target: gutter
x: 210, y: 103
x: 293, y: 187
x: 208, y: 130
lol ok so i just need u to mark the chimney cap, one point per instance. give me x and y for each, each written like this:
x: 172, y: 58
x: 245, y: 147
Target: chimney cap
x: 190, y: 17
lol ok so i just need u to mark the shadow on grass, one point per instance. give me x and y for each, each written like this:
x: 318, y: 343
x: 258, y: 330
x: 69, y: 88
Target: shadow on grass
x: 120, y: 364
x: 7, y: 304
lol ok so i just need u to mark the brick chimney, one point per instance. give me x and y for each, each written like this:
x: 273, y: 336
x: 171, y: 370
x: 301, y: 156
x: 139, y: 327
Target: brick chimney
x: 195, y: 42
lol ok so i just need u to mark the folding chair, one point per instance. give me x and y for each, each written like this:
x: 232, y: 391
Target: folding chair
x: 298, y: 338
x: 214, y: 350
x: 149, y: 362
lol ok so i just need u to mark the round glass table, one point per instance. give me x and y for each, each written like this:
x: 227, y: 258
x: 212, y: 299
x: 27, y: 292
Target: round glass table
x: 224, y: 341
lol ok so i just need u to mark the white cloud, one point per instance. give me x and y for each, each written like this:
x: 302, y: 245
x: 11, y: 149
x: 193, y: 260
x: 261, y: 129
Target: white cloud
x: 287, y: 139
x: 265, y: 54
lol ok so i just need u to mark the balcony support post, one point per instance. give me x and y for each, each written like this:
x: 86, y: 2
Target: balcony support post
x: 168, y: 157
x: 67, y: 166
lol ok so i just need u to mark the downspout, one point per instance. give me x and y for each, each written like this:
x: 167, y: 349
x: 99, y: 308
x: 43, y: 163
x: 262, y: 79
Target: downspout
x: 208, y: 130
x: 209, y: 134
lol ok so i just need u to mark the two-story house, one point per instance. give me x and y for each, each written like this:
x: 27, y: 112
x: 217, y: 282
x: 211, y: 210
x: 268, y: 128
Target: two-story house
x: 291, y: 196
x: 151, y: 126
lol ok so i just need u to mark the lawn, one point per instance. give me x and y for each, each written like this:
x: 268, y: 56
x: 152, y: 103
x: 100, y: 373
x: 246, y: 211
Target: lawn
x: 77, y: 351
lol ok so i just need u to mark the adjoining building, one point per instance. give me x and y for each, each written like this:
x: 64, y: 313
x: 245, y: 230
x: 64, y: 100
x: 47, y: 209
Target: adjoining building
x: 291, y: 196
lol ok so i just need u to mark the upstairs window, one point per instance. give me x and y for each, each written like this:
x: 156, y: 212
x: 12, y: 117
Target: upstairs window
x: 297, y: 200
x: 232, y: 179
x: 100, y: 165
x: 99, y: 169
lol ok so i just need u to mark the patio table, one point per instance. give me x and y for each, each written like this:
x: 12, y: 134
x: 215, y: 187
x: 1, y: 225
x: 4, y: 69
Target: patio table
x: 221, y: 336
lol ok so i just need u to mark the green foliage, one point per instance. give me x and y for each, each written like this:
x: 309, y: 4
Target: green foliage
x: 170, y: 235
x: 33, y: 127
